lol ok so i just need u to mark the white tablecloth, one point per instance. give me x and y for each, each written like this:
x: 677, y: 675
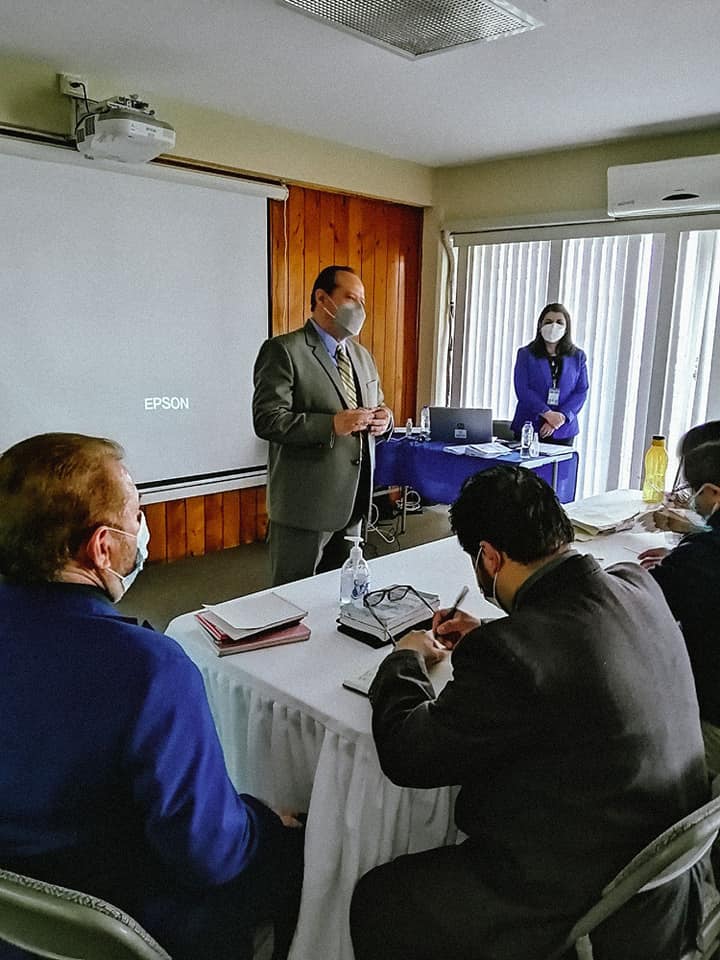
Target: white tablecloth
x: 294, y: 737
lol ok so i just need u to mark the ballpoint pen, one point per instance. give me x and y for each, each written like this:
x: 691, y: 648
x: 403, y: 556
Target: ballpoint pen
x: 453, y: 609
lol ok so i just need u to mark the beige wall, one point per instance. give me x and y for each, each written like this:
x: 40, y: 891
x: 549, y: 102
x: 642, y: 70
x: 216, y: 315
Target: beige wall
x: 560, y: 181
x: 29, y: 97
x: 500, y: 190
x: 507, y: 190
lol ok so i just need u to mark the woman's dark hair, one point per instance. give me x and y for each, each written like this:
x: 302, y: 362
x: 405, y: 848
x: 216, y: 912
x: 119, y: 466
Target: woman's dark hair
x: 702, y: 465
x: 514, y: 510
x: 565, y: 347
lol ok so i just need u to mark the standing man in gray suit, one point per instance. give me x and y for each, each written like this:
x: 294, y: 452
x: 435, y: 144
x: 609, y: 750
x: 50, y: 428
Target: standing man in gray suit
x: 319, y: 402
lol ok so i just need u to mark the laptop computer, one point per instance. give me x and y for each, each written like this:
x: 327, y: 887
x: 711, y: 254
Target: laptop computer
x: 455, y: 425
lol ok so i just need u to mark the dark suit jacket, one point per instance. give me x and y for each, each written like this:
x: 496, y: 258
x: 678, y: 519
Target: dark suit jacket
x: 313, y: 475
x: 532, y: 382
x: 572, y: 727
x: 690, y: 579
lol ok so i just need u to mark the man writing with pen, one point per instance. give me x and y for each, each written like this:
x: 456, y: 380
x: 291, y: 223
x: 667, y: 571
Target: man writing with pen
x: 571, y: 726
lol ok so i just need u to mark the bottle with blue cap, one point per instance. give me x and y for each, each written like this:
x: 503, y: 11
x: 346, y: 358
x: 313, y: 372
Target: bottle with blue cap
x: 354, y: 576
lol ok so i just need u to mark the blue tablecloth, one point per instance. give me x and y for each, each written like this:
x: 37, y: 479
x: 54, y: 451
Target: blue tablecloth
x: 438, y: 476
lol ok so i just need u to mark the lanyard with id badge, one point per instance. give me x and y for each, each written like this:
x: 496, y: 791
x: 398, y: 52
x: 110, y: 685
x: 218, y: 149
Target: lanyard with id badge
x: 553, y: 397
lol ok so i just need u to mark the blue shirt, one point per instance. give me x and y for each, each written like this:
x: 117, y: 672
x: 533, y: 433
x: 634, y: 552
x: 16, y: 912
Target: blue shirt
x: 111, y: 761
x: 329, y: 341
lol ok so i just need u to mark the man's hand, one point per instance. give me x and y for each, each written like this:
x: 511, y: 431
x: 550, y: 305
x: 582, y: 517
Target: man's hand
x: 666, y: 519
x: 554, y: 418
x: 346, y: 422
x: 296, y: 821
x: 651, y: 558
x: 450, y: 632
x: 546, y: 430
x: 380, y: 421
x: 424, y: 643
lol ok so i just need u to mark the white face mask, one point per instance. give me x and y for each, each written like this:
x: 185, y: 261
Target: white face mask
x: 493, y: 597
x: 552, y: 332
x: 692, y: 504
x: 141, y: 553
x: 350, y: 317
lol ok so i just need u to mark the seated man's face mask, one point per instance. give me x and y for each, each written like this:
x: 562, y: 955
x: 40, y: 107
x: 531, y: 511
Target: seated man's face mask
x: 141, y: 553
x: 693, y: 505
x: 490, y: 594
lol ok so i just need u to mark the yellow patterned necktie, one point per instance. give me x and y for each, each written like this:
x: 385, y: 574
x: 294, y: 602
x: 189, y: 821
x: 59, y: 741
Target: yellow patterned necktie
x: 346, y: 375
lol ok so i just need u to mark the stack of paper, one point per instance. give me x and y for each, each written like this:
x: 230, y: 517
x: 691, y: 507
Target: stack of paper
x: 606, y: 512
x: 248, y: 623
x: 490, y: 451
x: 396, y: 618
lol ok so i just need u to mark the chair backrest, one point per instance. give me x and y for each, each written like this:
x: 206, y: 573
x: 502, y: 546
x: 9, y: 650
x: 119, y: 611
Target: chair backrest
x: 502, y: 430
x: 53, y: 921
x: 671, y: 854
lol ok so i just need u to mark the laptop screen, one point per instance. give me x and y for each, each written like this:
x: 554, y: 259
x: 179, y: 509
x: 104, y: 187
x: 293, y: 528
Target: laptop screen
x: 455, y: 425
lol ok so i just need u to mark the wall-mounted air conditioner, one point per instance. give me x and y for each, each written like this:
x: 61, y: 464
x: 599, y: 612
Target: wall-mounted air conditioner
x: 686, y: 185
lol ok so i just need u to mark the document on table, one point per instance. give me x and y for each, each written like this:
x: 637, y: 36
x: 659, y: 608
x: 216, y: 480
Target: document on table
x: 247, y: 615
x: 489, y: 450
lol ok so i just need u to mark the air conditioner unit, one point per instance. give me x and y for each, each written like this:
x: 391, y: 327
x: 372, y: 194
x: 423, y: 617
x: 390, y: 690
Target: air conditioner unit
x: 686, y: 185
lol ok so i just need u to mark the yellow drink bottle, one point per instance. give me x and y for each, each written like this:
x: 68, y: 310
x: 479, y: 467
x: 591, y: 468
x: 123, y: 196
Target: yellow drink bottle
x: 656, y: 461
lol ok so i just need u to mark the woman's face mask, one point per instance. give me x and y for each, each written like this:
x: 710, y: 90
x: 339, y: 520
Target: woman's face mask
x: 552, y: 332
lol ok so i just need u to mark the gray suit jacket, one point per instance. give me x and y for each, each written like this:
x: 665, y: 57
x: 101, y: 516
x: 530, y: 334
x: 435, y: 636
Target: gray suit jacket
x: 312, y: 474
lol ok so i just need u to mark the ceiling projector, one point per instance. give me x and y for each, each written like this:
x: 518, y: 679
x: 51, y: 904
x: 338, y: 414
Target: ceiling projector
x: 124, y: 129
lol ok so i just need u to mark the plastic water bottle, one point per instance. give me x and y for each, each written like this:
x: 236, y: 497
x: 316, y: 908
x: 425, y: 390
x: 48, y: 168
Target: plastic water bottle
x: 408, y: 428
x: 535, y: 445
x: 354, y: 576
x: 425, y: 422
x: 656, y: 461
x: 526, y: 438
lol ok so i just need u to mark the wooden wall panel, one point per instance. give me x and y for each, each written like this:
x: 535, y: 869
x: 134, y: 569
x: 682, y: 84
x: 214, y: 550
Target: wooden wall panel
x: 176, y: 526
x: 248, y: 515
x: 155, y: 516
x: 213, y: 522
x: 311, y: 230
x: 195, y: 518
x: 231, y: 518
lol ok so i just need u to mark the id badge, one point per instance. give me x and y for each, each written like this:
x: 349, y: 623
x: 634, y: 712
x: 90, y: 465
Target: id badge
x: 553, y: 397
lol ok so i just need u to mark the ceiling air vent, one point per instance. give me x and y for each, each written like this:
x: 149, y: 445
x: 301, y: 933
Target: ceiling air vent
x: 416, y: 28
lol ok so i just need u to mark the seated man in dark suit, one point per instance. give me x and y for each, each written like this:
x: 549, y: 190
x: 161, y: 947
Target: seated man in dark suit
x: 112, y: 778
x: 572, y: 728
x: 689, y: 577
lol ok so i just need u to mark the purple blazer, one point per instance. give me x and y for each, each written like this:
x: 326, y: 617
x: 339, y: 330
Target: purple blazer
x: 532, y: 382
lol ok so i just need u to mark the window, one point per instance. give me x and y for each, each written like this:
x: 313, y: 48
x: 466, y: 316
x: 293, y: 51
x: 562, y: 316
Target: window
x: 692, y: 374
x: 644, y: 300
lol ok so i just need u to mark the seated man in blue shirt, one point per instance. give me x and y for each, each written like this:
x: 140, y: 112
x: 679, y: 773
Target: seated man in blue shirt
x: 113, y: 780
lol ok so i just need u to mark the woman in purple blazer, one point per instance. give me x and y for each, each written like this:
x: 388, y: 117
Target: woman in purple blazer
x: 551, y: 380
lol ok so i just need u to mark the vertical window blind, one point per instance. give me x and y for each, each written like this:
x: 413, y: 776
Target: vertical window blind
x: 644, y: 300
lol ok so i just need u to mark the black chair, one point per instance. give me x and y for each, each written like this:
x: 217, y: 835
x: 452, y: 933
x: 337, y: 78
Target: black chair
x: 501, y: 430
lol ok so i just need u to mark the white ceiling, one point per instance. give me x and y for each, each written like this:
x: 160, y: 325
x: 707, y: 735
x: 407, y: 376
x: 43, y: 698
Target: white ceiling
x: 597, y: 70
